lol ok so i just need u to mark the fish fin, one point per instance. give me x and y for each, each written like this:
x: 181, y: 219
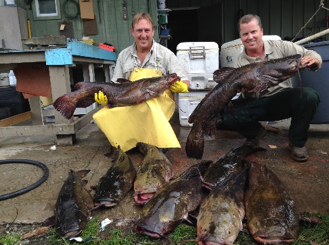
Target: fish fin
x: 145, y: 96
x: 51, y: 221
x: 111, y: 152
x: 263, y: 85
x: 122, y: 80
x: 65, y: 106
x: 195, y: 142
x: 82, y: 173
x: 210, y: 127
x: 220, y: 74
x: 79, y: 85
x: 230, y: 108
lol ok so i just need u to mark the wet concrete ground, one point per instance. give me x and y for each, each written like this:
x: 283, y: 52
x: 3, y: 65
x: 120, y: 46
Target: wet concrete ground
x: 306, y: 182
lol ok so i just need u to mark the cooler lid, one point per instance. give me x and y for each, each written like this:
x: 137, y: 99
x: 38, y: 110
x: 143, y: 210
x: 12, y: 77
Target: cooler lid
x: 187, y: 45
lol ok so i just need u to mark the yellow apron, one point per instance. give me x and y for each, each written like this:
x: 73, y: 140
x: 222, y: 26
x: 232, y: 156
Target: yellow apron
x: 146, y: 122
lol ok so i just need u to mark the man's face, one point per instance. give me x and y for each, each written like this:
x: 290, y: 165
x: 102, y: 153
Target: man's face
x: 143, y: 34
x: 251, y: 35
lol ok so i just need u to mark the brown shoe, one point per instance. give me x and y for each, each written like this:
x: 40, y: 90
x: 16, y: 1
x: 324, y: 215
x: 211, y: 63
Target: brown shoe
x: 299, y: 154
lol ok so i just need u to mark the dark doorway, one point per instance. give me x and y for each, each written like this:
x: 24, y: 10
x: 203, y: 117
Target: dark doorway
x: 195, y: 24
x: 183, y: 25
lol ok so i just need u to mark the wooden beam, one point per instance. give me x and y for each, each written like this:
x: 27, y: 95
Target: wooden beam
x: 15, y: 119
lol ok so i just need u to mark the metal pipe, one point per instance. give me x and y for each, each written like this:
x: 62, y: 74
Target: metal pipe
x: 319, y: 34
x: 29, y: 28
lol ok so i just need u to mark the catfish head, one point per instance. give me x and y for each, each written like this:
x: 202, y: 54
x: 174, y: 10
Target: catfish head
x: 275, y: 71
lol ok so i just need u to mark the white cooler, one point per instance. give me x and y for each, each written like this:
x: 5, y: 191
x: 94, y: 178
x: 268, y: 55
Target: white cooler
x: 200, y: 60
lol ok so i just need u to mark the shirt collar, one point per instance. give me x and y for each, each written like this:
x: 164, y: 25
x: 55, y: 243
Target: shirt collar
x: 268, y: 49
x: 134, y: 48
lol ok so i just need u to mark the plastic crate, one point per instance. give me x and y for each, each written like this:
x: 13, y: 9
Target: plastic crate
x: 106, y: 47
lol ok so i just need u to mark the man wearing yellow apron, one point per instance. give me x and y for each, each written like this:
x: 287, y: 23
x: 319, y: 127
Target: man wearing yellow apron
x: 148, y: 121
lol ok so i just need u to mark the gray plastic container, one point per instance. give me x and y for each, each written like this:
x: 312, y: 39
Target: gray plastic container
x: 318, y: 80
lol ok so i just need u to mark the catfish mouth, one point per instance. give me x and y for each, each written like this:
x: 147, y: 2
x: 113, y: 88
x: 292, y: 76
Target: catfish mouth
x: 105, y: 202
x: 72, y: 234
x: 143, y: 198
x: 141, y: 230
x: 274, y: 240
x: 208, y: 241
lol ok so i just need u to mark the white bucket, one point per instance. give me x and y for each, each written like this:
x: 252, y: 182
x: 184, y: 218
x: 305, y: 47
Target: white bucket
x: 161, y: 4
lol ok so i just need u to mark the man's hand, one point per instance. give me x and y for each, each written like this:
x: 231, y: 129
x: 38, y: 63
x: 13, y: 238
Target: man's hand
x: 178, y: 87
x: 101, y: 98
x: 309, y: 61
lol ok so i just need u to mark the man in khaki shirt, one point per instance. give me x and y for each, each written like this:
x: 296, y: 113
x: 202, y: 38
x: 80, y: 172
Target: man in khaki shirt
x: 278, y: 102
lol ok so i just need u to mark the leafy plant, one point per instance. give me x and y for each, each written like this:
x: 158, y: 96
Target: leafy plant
x: 9, y: 239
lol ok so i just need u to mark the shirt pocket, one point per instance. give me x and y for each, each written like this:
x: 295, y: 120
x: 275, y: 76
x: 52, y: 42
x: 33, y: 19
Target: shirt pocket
x: 127, y: 69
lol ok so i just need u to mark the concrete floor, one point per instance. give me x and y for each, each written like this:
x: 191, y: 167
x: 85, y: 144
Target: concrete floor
x: 307, y: 182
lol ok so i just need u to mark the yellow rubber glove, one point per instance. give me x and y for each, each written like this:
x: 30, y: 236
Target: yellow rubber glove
x: 178, y: 87
x: 101, y: 98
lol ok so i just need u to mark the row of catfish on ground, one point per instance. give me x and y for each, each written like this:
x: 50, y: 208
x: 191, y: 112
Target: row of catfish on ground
x: 219, y: 194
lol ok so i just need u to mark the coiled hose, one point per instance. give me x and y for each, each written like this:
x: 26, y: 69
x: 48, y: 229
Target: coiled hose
x: 31, y: 187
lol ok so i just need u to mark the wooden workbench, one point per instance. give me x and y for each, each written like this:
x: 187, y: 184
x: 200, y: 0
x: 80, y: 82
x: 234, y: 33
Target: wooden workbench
x: 59, y: 61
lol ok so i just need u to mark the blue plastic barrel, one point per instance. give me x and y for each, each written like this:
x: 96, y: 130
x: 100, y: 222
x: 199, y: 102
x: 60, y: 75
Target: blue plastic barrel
x: 318, y: 80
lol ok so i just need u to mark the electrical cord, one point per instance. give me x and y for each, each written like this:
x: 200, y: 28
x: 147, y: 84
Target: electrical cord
x: 31, y: 187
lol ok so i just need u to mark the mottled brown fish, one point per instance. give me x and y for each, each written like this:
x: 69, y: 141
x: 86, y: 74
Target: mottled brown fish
x: 171, y: 205
x: 73, y: 205
x: 156, y: 170
x: 272, y: 217
x: 117, y: 181
x: 226, y: 165
x: 254, y: 77
x: 118, y: 94
x: 222, y: 211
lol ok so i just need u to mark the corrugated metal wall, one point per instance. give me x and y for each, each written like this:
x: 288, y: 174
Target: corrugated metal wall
x: 280, y: 17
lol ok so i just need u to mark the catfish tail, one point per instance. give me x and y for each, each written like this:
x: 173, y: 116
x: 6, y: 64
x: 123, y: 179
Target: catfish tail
x: 195, y: 142
x: 65, y: 106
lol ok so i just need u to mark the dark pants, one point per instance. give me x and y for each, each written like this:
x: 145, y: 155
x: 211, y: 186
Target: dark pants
x: 298, y: 103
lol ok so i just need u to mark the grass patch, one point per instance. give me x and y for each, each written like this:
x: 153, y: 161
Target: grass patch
x: 310, y: 234
x: 9, y: 239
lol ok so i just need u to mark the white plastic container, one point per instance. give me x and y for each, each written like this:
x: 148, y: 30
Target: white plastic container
x: 187, y: 102
x: 161, y: 4
x: 12, y: 78
x: 200, y: 60
x: 230, y: 51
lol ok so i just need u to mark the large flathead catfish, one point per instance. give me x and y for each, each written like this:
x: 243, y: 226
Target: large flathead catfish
x: 116, y: 183
x: 226, y: 165
x: 156, y: 170
x: 271, y: 214
x: 171, y: 204
x: 221, y: 213
x: 73, y: 205
x: 118, y: 94
x: 254, y: 77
